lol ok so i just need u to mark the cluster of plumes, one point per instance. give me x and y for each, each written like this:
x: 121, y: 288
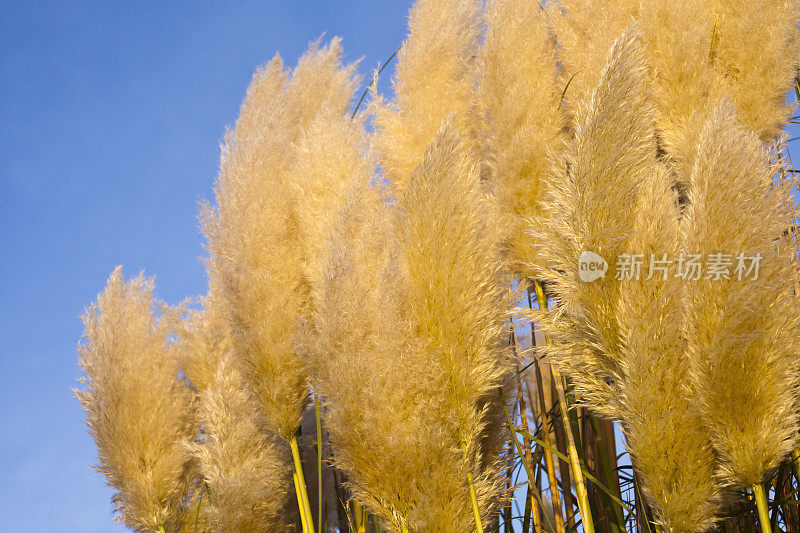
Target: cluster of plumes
x: 375, y: 268
x: 698, y: 51
x: 263, y: 235
x: 407, y: 347
x: 243, y: 467
x: 702, y: 375
x: 619, y: 341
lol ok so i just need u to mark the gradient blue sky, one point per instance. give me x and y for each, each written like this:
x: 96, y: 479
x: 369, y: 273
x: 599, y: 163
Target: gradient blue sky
x: 111, y: 114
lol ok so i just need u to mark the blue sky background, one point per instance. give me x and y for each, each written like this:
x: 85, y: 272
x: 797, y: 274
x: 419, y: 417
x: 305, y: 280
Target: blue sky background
x: 111, y: 114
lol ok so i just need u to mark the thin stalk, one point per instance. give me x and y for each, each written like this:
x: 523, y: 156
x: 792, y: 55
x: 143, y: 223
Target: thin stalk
x: 557, y: 432
x: 472, y: 494
x: 513, y: 431
x: 299, y: 502
x: 555, y: 497
x: 641, y: 506
x: 796, y: 462
x: 359, y: 517
x: 761, y: 503
x: 302, y: 493
x: 580, y: 486
x: 364, y: 520
x: 160, y: 529
x: 618, y: 522
x: 319, y: 464
x: 403, y: 528
x: 199, y: 504
x: 530, y: 502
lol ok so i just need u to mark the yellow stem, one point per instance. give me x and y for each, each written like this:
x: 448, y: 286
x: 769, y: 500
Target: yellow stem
x: 319, y: 464
x: 403, y: 528
x: 472, y: 494
x: 299, y: 502
x: 160, y: 529
x: 358, y: 517
x: 302, y: 493
x: 575, y: 462
x: 763, y: 512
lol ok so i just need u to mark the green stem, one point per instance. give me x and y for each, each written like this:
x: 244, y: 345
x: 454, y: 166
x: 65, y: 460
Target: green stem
x: 319, y: 464
x: 472, y: 494
x: 618, y: 522
x: 575, y: 462
x: 302, y: 493
x: 763, y: 512
x: 199, y: 505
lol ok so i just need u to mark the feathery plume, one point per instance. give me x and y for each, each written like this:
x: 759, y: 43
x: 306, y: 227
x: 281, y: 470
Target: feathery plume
x: 241, y: 462
x: 244, y: 465
x: 364, y: 364
x: 331, y: 154
x: 137, y: 410
x: 435, y: 77
x: 758, y: 64
x: 586, y: 30
x: 407, y: 345
x: 605, y: 165
x: 520, y: 96
x: 680, y: 39
x: 664, y: 430
x: 457, y: 286
x: 741, y: 326
x: 204, y: 338
x: 613, y: 338
x: 255, y: 234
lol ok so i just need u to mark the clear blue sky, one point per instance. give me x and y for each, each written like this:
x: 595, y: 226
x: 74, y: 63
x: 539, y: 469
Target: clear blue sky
x: 111, y: 114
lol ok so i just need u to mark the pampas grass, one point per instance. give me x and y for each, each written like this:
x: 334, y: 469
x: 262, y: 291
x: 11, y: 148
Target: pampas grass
x: 374, y: 259
x: 436, y: 70
x: 136, y: 408
x: 408, y: 345
x: 741, y: 330
x: 242, y: 463
x: 520, y: 96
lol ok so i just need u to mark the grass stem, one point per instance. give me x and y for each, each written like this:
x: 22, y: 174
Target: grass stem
x: 319, y: 464
x: 763, y: 512
x: 472, y: 494
x: 555, y: 497
x: 796, y: 462
x: 199, y: 505
x: 299, y: 502
x: 580, y: 486
x: 300, y: 486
